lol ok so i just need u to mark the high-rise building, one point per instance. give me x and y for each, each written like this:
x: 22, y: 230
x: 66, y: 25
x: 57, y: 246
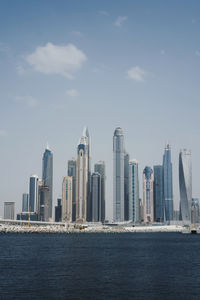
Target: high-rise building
x: 58, y: 211
x: 185, y: 184
x: 82, y: 180
x: 195, y: 211
x: 134, y: 205
x: 47, y: 175
x: 126, y: 186
x: 118, y: 175
x: 100, y: 168
x: 9, y: 210
x: 148, y: 195
x: 72, y: 173
x: 67, y: 187
x: 25, y: 202
x: 89, y: 196
x: 33, y: 193
x: 159, y: 204
x: 168, y: 184
x: 96, y: 197
x: 43, y: 203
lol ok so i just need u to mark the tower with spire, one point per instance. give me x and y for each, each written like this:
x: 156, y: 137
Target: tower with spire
x: 47, y: 175
x: 82, y: 174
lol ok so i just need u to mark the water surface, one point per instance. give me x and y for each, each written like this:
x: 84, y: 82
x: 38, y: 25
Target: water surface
x: 100, y: 266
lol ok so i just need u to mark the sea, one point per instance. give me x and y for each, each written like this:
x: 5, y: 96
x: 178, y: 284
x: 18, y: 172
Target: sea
x: 100, y: 266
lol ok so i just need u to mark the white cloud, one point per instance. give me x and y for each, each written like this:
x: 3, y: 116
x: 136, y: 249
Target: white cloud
x: 197, y: 52
x: 53, y: 59
x: 120, y: 20
x: 137, y: 74
x: 72, y: 93
x: 162, y: 52
x: 27, y: 100
x: 3, y: 133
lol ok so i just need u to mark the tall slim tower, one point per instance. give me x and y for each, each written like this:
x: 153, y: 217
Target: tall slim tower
x: 148, y: 195
x: 134, y: 205
x: 89, y: 195
x: 167, y: 183
x: 159, y: 204
x: 33, y: 193
x: 47, y: 175
x: 96, y: 197
x: 185, y: 184
x: 72, y: 173
x: 118, y: 175
x: 100, y: 168
x: 82, y: 180
x: 126, y: 186
x: 67, y: 187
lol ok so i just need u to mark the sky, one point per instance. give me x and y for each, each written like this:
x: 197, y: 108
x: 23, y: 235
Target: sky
x: 68, y: 64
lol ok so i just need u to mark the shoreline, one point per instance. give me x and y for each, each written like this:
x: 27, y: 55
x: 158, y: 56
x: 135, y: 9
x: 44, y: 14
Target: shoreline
x: 90, y: 229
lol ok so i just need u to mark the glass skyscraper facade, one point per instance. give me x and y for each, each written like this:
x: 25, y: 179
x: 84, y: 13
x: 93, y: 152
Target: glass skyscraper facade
x: 25, y: 202
x: 118, y: 175
x: 158, y: 194
x: 47, y: 175
x: 33, y: 193
x: 126, y: 186
x: 96, y: 197
x: 134, y: 205
x: 168, y: 184
x: 100, y: 168
x: 185, y: 185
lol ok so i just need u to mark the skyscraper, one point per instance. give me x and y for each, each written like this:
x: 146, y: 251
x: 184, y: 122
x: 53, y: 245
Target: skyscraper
x: 33, y: 193
x: 134, y: 205
x: 159, y: 204
x: 89, y: 197
x: 9, y: 210
x: 168, y: 183
x: 47, y: 175
x: 67, y: 187
x: 58, y: 211
x: 100, y: 168
x: 195, y: 211
x: 96, y: 197
x: 25, y: 202
x: 185, y: 184
x: 148, y: 195
x: 82, y: 180
x: 43, y: 202
x: 118, y: 175
x: 126, y: 186
x: 72, y: 173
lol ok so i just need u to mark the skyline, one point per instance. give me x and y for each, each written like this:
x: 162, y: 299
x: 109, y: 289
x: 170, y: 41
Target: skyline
x: 118, y: 146
x: 135, y: 69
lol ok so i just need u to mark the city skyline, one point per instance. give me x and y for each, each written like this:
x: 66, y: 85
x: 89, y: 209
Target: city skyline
x: 135, y: 69
x: 157, y: 185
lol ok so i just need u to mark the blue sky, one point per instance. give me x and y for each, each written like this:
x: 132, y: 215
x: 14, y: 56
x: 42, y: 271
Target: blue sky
x: 67, y: 64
